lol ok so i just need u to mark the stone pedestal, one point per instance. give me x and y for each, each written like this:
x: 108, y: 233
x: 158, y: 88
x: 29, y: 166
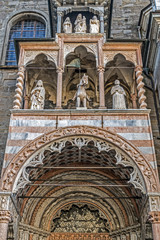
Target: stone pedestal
x: 5, y: 218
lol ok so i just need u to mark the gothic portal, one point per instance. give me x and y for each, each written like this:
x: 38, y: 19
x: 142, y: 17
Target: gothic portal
x: 79, y: 159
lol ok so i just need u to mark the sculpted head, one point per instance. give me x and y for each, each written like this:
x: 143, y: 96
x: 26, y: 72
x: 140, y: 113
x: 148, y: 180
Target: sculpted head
x: 39, y: 83
x: 117, y: 82
x: 94, y: 17
x: 67, y: 19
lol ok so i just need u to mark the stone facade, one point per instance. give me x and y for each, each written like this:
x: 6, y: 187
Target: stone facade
x: 65, y: 167
x: 125, y: 18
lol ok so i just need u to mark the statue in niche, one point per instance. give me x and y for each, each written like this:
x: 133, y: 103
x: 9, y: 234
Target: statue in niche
x: 80, y: 24
x: 38, y: 96
x: 67, y: 26
x: 118, y: 96
x: 94, y: 25
x: 81, y: 95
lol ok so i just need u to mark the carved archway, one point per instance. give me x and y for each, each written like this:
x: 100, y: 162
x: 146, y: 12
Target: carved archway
x: 143, y: 176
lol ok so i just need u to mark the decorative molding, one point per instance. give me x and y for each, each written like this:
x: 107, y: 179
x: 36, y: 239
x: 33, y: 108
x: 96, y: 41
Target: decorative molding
x: 154, y: 203
x: 4, y: 202
x: 70, y: 47
x: 154, y: 217
x: 24, y: 177
x: 122, y: 147
x: 136, y: 178
x: 31, y: 55
x: 129, y: 55
x: 5, y: 216
x: 82, y: 236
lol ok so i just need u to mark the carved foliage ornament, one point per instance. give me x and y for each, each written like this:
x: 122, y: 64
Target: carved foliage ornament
x: 31, y: 55
x: 128, y: 155
x: 136, y: 178
x: 4, y: 202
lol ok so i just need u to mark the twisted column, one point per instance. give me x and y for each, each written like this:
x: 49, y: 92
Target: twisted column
x: 19, y: 90
x: 140, y: 88
x: 59, y: 87
x: 5, y: 218
x: 101, y: 70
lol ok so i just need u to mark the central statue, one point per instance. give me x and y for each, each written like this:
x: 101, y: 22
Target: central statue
x: 81, y: 95
x: 80, y: 24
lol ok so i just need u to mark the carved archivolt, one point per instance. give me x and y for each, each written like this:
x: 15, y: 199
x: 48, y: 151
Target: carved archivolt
x: 136, y: 178
x: 126, y: 154
x: 70, y: 47
x: 129, y: 55
x: 30, y: 56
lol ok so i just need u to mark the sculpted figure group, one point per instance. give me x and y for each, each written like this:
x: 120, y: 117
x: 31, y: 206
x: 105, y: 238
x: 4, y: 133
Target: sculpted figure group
x: 81, y: 97
x: 80, y: 25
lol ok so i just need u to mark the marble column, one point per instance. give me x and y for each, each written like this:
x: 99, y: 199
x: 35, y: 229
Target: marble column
x: 26, y: 102
x: 101, y: 88
x: 101, y: 23
x: 5, y: 218
x: 155, y: 220
x: 59, y: 21
x: 59, y: 88
x: 140, y: 88
x: 19, y: 90
x: 134, y: 101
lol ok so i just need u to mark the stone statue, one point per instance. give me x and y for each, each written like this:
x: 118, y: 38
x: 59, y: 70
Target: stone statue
x: 94, y: 25
x: 81, y: 94
x: 67, y: 26
x: 80, y: 24
x: 38, y: 96
x: 118, y: 96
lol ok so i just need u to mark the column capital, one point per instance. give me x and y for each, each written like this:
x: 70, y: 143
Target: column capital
x: 154, y: 217
x: 5, y: 216
x: 60, y: 70
x: 60, y: 13
x: 138, y: 68
x: 100, y: 69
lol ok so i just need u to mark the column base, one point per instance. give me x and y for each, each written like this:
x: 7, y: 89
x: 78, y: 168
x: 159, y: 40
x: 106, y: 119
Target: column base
x: 81, y: 108
x: 58, y: 108
x: 102, y: 108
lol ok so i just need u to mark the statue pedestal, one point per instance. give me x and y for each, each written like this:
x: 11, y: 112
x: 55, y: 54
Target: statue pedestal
x: 81, y: 108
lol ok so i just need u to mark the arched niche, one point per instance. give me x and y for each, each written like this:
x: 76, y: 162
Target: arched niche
x: 78, y: 63
x: 123, y: 70
x: 73, y: 15
x: 42, y: 68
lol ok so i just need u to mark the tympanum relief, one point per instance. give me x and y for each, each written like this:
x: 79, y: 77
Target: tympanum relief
x: 80, y: 220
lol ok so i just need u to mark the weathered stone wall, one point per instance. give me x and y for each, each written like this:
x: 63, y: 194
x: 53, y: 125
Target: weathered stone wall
x: 125, y: 17
x: 8, y: 10
x: 7, y: 91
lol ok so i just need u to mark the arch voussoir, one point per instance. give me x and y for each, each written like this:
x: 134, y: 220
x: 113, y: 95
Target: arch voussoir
x: 119, y: 144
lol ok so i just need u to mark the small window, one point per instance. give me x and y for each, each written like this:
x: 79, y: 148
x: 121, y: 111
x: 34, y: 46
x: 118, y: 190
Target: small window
x: 23, y: 29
